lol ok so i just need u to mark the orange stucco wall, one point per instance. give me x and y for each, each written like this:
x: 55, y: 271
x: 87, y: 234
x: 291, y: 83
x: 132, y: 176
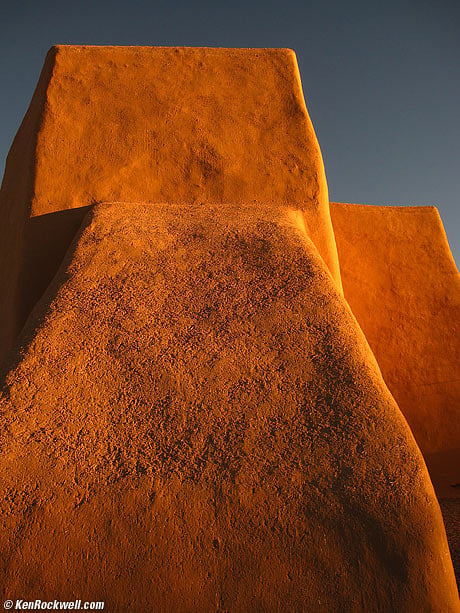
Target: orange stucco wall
x: 152, y: 124
x: 403, y: 287
x: 191, y: 417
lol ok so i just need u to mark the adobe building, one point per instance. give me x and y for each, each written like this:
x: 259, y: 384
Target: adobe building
x: 217, y: 387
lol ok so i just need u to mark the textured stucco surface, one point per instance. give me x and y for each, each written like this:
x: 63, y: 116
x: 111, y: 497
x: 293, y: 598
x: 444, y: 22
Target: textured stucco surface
x: 196, y: 414
x: 403, y: 287
x: 192, y: 417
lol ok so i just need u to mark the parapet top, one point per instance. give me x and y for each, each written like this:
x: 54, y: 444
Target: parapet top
x: 174, y: 124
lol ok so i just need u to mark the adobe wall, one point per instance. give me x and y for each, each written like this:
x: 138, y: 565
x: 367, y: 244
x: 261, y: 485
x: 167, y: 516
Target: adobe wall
x: 152, y: 124
x: 403, y: 287
x: 196, y: 422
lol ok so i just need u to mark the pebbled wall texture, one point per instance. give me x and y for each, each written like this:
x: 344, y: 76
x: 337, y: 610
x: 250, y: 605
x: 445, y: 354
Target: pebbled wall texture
x: 191, y: 416
x: 149, y: 124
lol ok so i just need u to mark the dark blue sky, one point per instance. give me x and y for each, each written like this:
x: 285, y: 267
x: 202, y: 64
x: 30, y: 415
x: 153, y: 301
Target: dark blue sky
x: 381, y: 79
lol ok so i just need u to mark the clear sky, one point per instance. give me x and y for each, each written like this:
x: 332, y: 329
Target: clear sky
x: 381, y: 79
